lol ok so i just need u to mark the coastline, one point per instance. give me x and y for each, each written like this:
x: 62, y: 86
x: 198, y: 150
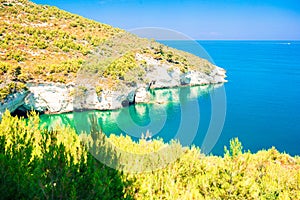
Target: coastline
x: 57, y: 98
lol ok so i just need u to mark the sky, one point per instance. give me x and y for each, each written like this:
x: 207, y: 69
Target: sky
x: 198, y: 19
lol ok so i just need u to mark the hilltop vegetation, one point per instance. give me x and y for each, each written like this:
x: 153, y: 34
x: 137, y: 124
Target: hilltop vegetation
x: 40, y: 43
x: 38, y: 164
x: 46, y: 43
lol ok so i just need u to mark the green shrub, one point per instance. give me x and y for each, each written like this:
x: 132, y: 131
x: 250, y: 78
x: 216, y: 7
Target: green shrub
x: 235, y: 148
x: 99, y: 90
x: 4, y: 67
x: 10, y: 88
x: 39, y: 164
x: 17, y: 55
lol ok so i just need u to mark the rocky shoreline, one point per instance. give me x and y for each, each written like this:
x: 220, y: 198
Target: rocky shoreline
x: 60, y: 98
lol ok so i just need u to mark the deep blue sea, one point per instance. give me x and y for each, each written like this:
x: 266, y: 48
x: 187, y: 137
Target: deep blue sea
x: 262, y: 101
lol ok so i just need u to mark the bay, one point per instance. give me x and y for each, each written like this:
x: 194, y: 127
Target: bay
x: 262, y: 101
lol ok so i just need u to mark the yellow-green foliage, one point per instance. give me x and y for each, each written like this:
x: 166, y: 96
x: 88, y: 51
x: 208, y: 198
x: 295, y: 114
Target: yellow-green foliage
x: 119, y: 67
x: 125, y: 68
x: 99, y: 90
x: 144, y: 156
x: 10, y: 88
x: 179, y: 59
x: 39, y: 164
x: 17, y: 132
x: 36, y: 37
x: 264, y: 175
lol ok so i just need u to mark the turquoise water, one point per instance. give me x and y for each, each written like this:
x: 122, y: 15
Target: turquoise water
x: 262, y: 101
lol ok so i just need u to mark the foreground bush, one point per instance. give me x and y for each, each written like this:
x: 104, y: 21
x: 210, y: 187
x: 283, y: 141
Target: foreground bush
x: 38, y: 164
x: 264, y: 175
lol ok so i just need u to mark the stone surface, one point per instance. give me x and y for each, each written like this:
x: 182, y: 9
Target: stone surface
x: 13, y: 102
x: 60, y: 98
x: 52, y: 98
x: 142, y: 95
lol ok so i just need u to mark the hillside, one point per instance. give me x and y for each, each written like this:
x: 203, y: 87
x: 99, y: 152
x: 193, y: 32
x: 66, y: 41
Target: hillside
x: 45, y: 51
x: 44, y: 43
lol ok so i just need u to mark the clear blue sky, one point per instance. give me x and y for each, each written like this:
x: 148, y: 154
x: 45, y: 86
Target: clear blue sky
x: 199, y: 19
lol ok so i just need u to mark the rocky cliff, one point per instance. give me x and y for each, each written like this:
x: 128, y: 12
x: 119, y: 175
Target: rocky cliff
x: 61, y: 98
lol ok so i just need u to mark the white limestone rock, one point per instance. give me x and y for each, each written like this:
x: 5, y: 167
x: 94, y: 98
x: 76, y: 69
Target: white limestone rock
x: 52, y: 98
x: 142, y: 95
x: 59, y: 98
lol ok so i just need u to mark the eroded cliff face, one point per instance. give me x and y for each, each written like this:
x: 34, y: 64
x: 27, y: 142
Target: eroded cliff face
x: 13, y: 102
x: 61, y: 98
x: 49, y: 97
x: 165, y: 75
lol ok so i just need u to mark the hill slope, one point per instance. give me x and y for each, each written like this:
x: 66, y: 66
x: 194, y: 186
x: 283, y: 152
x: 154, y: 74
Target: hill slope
x: 45, y: 45
x: 44, y: 40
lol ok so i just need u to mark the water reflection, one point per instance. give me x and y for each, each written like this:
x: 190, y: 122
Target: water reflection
x: 161, y: 116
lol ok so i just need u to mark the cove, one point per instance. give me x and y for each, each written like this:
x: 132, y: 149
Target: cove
x: 180, y: 113
x: 263, y: 98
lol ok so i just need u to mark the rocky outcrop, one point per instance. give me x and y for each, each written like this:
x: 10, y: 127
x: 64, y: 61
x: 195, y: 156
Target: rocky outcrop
x: 162, y: 75
x: 49, y: 97
x: 111, y: 100
x: 61, y: 98
x: 13, y: 102
x: 199, y: 78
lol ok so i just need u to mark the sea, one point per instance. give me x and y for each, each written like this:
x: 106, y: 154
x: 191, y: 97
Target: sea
x: 259, y: 105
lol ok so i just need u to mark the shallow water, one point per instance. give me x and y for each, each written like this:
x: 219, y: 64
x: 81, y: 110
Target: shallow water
x: 262, y: 101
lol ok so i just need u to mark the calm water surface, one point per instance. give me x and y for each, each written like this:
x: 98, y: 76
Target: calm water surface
x: 262, y: 100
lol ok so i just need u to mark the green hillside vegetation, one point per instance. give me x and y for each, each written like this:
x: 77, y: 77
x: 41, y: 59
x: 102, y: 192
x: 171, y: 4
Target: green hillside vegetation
x: 115, y: 64
x: 40, y: 164
x: 43, y: 40
x: 11, y: 88
x: 45, y: 44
